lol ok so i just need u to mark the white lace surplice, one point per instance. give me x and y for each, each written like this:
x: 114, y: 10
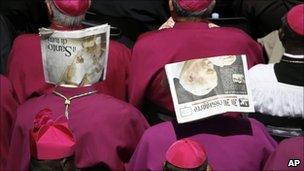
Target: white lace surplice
x: 272, y: 97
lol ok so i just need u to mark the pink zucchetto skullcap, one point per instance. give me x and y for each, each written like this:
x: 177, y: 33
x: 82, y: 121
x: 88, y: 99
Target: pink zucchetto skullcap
x: 194, y: 5
x: 72, y: 7
x: 186, y: 154
x: 295, y: 19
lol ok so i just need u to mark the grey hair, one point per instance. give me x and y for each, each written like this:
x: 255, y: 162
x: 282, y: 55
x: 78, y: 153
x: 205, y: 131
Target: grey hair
x: 205, y: 13
x: 64, y: 19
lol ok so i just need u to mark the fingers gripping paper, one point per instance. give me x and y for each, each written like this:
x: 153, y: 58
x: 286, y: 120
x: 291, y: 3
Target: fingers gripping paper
x: 75, y: 57
x: 205, y: 87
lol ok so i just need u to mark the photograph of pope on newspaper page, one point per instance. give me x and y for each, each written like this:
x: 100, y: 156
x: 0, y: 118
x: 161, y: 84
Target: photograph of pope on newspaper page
x: 84, y: 52
x: 205, y: 87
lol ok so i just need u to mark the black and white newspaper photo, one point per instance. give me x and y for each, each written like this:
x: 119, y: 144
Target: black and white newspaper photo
x: 209, y: 86
x: 86, y: 50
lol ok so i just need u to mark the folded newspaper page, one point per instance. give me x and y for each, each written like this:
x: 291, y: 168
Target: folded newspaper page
x: 83, y: 53
x: 204, y: 87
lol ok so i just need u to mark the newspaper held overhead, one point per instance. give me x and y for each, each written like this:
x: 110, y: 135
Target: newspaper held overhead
x: 204, y: 87
x: 75, y: 57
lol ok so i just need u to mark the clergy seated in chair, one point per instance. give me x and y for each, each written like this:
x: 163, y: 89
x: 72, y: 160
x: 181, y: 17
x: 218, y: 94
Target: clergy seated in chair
x: 278, y: 89
x: 231, y: 143
x: 191, y: 37
x: 75, y: 125
x: 25, y: 69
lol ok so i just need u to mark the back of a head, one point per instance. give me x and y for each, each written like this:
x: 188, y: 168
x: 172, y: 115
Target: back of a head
x: 187, y: 155
x: 193, y: 9
x: 292, y: 30
x: 67, y: 13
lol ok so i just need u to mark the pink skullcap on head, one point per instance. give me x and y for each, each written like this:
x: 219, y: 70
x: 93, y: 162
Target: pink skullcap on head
x: 194, y: 5
x: 186, y: 154
x: 72, y: 7
x: 295, y: 19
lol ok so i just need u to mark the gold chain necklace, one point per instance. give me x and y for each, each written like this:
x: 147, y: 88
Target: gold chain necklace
x: 67, y: 101
x: 291, y: 61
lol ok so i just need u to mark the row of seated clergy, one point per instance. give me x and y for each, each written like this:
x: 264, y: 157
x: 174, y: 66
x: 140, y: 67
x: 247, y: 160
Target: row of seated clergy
x: 26, y: 73
x: 190, y: 37
x: 8, y: 106
x: 105, y: 130
x: 21, y: 73
x: 278, y: 89
x: 117, y: 132
x: 29, y: 82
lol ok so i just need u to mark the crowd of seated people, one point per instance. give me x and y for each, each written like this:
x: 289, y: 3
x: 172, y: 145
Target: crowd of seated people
x: 128, y: 120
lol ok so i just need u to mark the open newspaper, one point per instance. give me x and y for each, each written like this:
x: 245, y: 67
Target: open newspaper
x: 205, y: 87
x: 84, y: 53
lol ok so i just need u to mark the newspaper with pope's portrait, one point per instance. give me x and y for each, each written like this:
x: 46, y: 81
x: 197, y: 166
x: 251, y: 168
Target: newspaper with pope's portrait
x: 75, y: 57
x: 205, y: 87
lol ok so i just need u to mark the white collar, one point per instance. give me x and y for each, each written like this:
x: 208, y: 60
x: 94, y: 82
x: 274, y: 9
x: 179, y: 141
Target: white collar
x: 293, y: 56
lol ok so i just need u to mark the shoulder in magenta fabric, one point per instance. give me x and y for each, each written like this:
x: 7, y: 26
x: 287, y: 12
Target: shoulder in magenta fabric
x: 187, y: 40
x: 8, y: 106
x: 230, y: 143
x: 25, y: 69
x: 289, y: 155
x: 106, y: 130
